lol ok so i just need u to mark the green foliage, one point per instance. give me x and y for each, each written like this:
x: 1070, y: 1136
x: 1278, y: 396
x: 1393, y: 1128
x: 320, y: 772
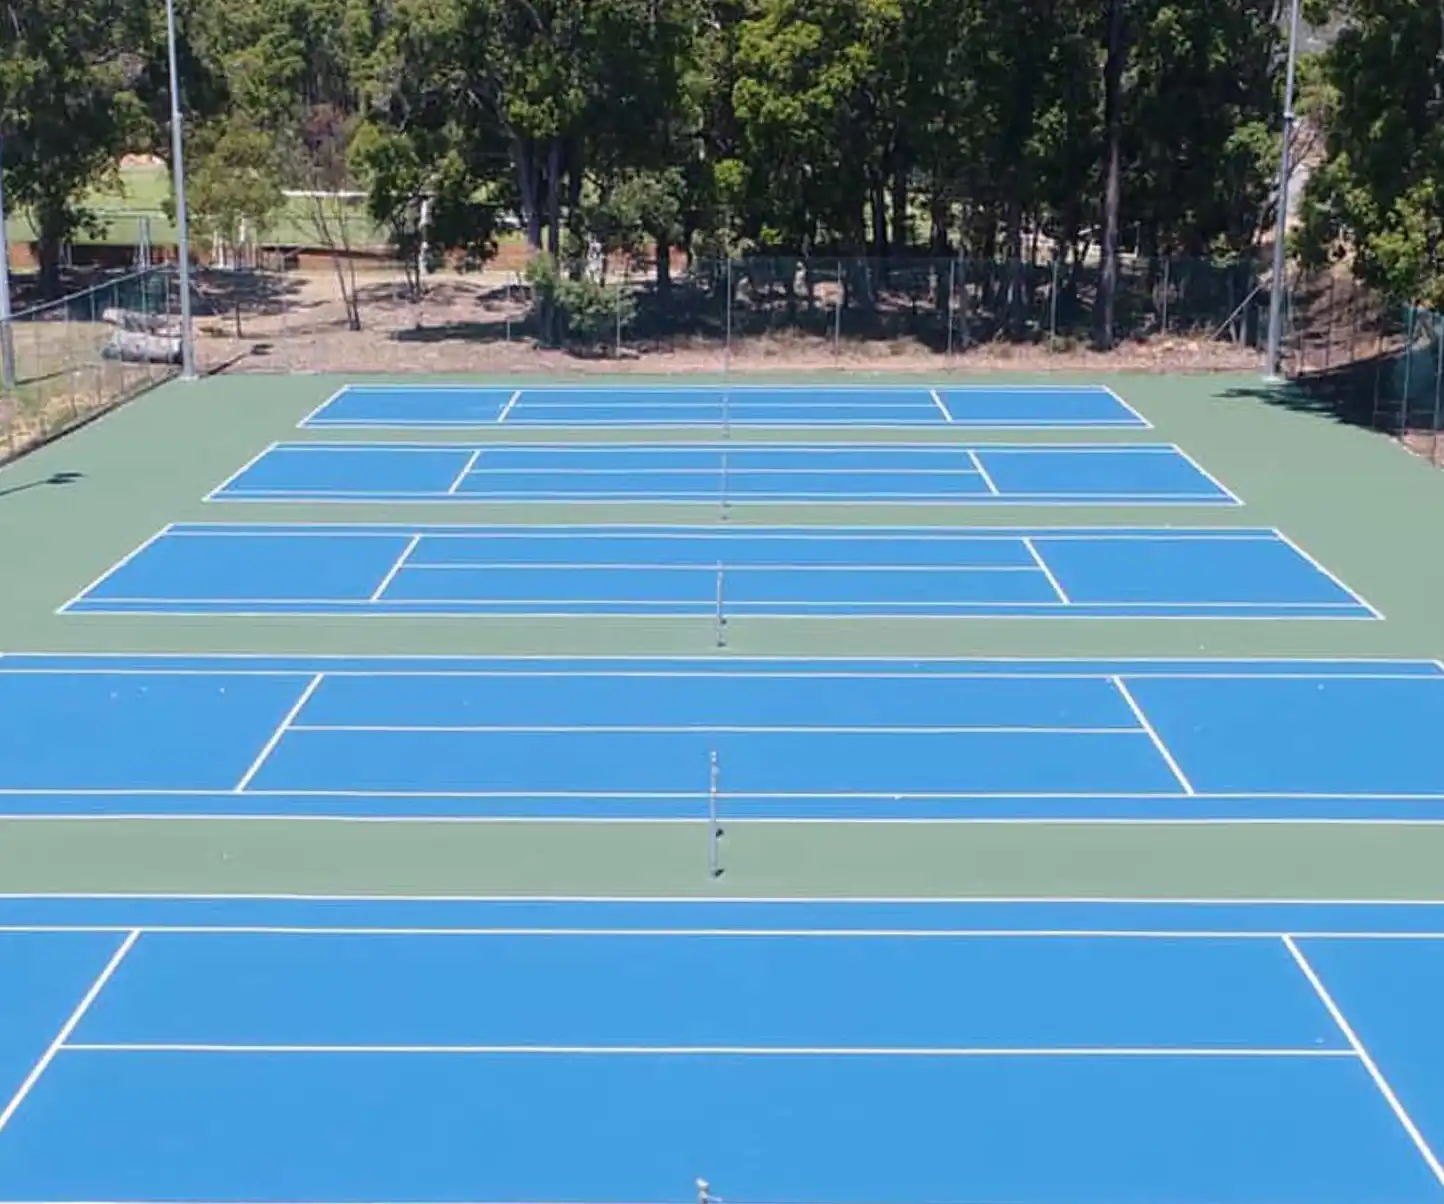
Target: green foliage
x: 849, y: 127
x: 581, y: 311
x: 67, y: 108
x: 234, y: 180
x: 1379, y: 196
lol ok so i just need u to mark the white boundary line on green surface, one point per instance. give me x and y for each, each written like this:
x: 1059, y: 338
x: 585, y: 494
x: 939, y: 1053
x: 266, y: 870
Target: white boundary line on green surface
x: 275, y: 445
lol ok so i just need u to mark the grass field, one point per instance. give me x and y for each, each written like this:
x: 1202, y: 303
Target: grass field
x: 141, y: 192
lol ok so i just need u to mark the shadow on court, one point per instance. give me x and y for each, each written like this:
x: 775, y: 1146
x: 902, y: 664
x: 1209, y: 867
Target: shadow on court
x: 55, y: 478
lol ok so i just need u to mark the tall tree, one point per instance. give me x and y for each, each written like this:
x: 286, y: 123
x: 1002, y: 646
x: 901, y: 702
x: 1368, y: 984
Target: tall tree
x: 1112, y: 173
x: 68, y: 108
x: 1379, y: 195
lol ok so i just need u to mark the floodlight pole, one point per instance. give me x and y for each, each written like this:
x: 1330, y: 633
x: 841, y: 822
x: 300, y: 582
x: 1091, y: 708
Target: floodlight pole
x: 1272, y: 357
x: 182, y: 223
x: 7, y: 334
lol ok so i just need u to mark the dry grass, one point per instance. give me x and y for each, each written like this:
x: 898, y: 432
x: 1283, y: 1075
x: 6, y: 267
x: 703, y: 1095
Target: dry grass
x: 474, y: 323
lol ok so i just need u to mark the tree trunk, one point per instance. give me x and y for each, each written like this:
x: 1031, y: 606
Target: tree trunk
x: 1016, y: 310
x: 664, y: 267
x: 938, y: 212
x: 1113, y: 123
x: 877, y: 186
x: 554, y: 198
x: 901, y: 227
x: 526, y: 177
x: 50, y: 239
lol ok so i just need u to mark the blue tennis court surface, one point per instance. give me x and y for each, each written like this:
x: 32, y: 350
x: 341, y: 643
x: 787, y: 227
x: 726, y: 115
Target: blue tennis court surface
x: 998, y: 406
x: 794, y: 739
x: 1084, y: 474
x: 789, y: 1052
x: 206, y: 568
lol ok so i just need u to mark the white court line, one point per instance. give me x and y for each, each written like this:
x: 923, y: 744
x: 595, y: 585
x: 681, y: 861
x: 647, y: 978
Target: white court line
x: 940, y: 449
x: 938, y: 401
x: 830, y: 903
x: 730, y: 729
x: 1153, y: 735
x: 983, y: 472
x: 427, y: 932
x: 689, y: 821
x: 506, y: 409
x: 657, y: 566
x: 1363, y: 1054
x: 465, y: 471
x: 642, y: 496
x: 597, y: 607
x: 1046, y: 571
x: 1330, y: 574
x: 603, y: 392
x: 163, y: 533
x: 663, y: 532
x: 385, y: 583
x: 1228, y: 493
x: 730, y: 1051
x: 603, y: 664
x: 241, y: 471
x: 69, y: 1027
x: 315, y: 413
x: 1113, y: 393
x: 672, y: 795
x: 700, y: 672
x: 528, y: 610
x: 285, y: 724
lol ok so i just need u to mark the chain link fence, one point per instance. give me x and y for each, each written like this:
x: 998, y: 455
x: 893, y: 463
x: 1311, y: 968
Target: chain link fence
x: 66, y: 355
x: 1371, y: 361
x: 311, y: 311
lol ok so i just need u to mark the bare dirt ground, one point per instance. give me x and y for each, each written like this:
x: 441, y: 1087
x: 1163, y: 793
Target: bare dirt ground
x: 476, y: 323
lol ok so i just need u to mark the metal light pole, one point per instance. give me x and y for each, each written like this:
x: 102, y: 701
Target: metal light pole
x: 182, y: 224
x: 1276, y: 289
x: 7, y: 334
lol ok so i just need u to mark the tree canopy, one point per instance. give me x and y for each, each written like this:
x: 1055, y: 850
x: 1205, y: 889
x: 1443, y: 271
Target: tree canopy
x: 831, y: 127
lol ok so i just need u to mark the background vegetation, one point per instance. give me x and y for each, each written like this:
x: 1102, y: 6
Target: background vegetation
x: 1059, y: 130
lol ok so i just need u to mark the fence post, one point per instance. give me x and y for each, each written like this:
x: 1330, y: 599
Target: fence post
x: 948, y: 308
x: 1163, y: 326
x: 963, y: 308
x: 1329, y: 325
x: 95, y: 369
x: 1378, y: 372
x: 1438, y: 324
x: 617, y: 309
x: 1053, y: 306
x: 837, y: 316
x: 1408, y: 369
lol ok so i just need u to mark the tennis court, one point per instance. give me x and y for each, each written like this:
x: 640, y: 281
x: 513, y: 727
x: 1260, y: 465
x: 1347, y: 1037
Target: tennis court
x: 676, y: 740
x: 260, y: 1037
x: 620, y: 405
x: 1084, y: 474
x: 331, y: 1051
x: 379, y: 569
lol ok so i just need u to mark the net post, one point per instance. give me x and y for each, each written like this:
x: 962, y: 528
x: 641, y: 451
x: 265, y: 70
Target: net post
x: 725, y: 503
x: 721, y: 616
x: 714, y: 829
